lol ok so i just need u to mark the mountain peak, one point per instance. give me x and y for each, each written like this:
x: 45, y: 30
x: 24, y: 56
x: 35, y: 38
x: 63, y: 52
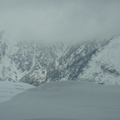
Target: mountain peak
x: 36, y: 63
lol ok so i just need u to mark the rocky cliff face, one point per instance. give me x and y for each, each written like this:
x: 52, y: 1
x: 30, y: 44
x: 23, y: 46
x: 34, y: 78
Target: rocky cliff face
x: 36, y: 63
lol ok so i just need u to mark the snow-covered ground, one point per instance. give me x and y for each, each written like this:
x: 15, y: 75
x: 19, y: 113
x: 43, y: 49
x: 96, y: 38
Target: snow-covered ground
x: 64, y: 100
x: 10, y: 89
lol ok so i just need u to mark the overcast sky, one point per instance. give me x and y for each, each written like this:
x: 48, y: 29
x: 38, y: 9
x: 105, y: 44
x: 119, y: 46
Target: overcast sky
x: 60, y: 20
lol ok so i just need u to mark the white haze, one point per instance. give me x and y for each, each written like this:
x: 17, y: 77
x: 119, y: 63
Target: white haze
x: 60, y: 20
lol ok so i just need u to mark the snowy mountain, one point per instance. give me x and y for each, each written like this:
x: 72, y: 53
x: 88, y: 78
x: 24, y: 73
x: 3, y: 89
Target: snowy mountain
x: 104, y: 66
x: 27, y: 61
x: 73, y: 61
x: 10, y: 89
x: 36, y: 63
x: 64, y: 100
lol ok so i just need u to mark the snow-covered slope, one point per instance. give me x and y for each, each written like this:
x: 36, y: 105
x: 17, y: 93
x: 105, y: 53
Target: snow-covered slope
x: 27, y: 61
x: 73, y: 61
x: 104, y: 66
x: 10, y: 89
x: 94, y: 61
x: 64, y: 100
x: 36, y: 63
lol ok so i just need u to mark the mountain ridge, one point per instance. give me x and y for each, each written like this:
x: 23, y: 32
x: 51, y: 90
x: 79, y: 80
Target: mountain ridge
x: 37, y: 63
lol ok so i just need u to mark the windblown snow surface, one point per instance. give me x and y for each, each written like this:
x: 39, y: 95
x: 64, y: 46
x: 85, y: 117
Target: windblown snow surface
x: 10, y: 89
x: 64, y: 100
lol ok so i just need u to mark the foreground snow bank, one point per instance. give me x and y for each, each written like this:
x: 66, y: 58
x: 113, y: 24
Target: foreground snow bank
x: 65, y: 100
x: 10, y: 89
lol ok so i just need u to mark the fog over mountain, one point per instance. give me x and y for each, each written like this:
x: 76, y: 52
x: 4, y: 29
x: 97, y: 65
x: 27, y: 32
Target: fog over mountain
x: 60, y: 20
x: 68, y: 50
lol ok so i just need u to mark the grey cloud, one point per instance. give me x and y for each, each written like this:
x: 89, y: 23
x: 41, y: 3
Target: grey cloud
x: 60, y: 20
